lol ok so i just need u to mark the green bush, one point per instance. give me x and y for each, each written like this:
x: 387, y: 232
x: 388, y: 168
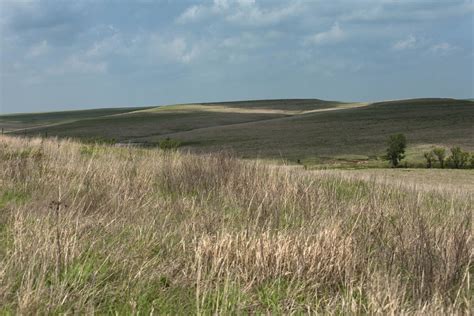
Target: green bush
x: 98, y: 140
x: 169, y: 143
x: 430, y: 158
x: 440, y: 154
x: 458, y: 158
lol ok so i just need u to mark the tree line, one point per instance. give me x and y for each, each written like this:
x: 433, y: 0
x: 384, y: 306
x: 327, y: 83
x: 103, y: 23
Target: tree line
x: 438, y: 157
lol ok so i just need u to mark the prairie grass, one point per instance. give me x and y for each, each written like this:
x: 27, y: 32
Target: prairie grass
x: 101, y: 229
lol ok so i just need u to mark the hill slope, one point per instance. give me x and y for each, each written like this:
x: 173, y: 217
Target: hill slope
x: 22, y: 121
x: 145, y: 122
x: 354, y: 131
x: 291, y: 129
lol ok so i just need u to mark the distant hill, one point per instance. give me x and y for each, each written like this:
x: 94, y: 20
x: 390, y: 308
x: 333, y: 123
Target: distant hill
x: 29, y: 120
x: 128, y: 123
x: 307, y: 129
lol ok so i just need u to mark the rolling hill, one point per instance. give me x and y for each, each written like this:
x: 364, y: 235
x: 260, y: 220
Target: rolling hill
x: 311, y: 130
x: 126, y: 124
x: 15, y: 122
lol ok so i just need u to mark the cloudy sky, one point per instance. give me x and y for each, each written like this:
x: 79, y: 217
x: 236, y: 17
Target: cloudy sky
x: 90, y: 53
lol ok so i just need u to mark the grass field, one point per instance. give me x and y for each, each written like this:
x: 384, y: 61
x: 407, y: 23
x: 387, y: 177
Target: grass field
x: 101, y: 229
x: 438, y: 180
x: 89, y: 228
x: 314, y: 131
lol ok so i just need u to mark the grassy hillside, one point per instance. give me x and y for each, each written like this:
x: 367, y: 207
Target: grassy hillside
x: 357, y: 132
x: 29, y: 120
x: 149, y: 122
x: 313, y: 131
x: 90, y: 229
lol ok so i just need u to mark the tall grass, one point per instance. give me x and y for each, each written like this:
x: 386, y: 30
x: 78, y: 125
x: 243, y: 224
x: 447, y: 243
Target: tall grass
x: 99, y: 229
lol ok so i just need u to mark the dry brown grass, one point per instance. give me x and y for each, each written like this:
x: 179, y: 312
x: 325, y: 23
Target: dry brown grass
x: 97, y: 229
x: 438, y: 180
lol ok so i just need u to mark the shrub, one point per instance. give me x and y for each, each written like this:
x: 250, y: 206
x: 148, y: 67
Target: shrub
x: 97, y: 140
x: 396, y: 149
x: 169, y: 143
x: 430, y: 157
x: 440, y: 154
x: 458, y: 158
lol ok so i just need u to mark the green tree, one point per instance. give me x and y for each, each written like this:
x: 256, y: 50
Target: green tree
x: 440, y: 154
x: 430, y: 158
x: 458, y: 157
x: 396, y: 149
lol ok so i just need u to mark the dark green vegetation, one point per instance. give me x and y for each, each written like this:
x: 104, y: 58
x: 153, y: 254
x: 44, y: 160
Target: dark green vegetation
x: 396, y: 149
x: 458, y: 159
x: 312, y: 131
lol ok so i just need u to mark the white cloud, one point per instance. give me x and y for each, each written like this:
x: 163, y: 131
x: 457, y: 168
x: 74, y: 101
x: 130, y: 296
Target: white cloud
x: 251, y: 14
x: 250, y: 40
x: 244, y: 12
x: 442, y: 48
x: 334, y: 35
x: 402, y: 11
x: 192, y: 14
x: 195, y: 13
x: 173, y: 50
x: 408, y: 43
x: 425, y: 45
x: 106, y: 46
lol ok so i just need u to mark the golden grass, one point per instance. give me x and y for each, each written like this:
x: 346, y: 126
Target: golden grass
x: 439, y: 180
x: 97, y: 229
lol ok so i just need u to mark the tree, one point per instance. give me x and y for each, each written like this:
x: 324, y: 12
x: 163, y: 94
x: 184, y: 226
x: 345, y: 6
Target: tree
x: 396, y: 149
x: 430, y: 157
x: 458, y: 157
x: 440, y: 154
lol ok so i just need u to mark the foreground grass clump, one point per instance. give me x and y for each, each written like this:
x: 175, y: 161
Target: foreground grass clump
x: 121, y: 230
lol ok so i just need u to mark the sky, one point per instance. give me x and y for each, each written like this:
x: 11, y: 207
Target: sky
x: 62, y: 55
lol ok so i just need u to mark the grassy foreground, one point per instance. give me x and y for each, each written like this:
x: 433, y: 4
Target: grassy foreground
x: 88, y: 228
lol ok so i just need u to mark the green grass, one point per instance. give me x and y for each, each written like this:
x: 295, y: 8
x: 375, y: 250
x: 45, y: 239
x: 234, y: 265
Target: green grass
x: 12, y: 196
